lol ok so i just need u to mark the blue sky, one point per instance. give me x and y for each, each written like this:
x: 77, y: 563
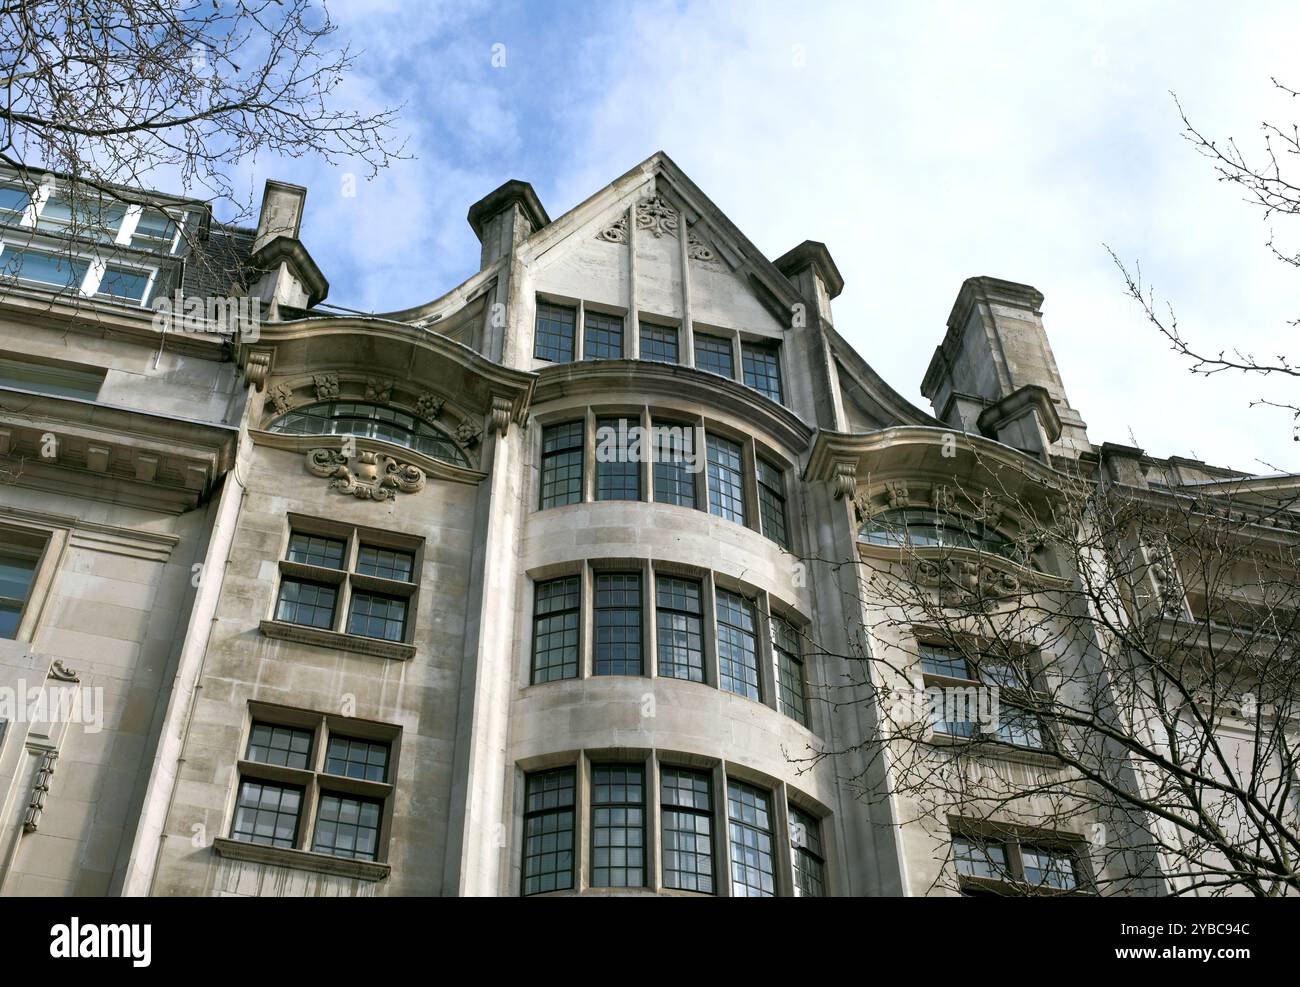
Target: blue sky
x: 924, y: 143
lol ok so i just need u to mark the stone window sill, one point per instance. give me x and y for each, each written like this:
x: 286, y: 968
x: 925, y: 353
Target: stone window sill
x: 322, y: 863
x: 340, y: 642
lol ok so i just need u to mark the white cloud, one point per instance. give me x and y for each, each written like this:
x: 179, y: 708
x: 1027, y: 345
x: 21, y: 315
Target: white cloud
x: 923, y: 144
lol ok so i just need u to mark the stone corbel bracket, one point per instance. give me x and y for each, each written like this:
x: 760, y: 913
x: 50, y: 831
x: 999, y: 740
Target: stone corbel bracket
x: 257, y: 367
x: 844, y: 478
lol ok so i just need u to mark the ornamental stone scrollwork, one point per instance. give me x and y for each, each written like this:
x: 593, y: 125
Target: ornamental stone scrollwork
x: 429, y: 406
x: 617, y: 233
x: 373, y: 475
x: 62, y: 673
x: 468, y: 434
x: 256, y: 369
x: 942, y: 498
x: 896, y: 492
x: 281, y: 398
x: 862, y: 507
x: 844, y: 481
x: 40, y: 789
x: 379, y: 391
x: 499, y: 418
x: 992, y: 510
x: 653, y: 215
x: 656, y: 217
x: 326, y: 385
x: 697, y: 249
x: 964, y: 580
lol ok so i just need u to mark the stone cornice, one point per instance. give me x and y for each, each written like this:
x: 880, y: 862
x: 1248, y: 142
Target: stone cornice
x: 510, y: 193
x: 1015, y: 404
x: 322, y: 863
x: 924, y: 452
x: 337, y: 641
x: 650, y: 378
x: 812, y: 253
x: 106, y: 320
x: 146, y: 459
x: 306, y: 338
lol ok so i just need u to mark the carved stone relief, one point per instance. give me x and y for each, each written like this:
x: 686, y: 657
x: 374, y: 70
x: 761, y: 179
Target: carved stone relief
x: 367, y: 476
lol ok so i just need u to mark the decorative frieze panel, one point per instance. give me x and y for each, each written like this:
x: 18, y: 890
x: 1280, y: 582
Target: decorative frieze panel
x: 40, y: 790
x: 366, y: 476
x: 659, y: 219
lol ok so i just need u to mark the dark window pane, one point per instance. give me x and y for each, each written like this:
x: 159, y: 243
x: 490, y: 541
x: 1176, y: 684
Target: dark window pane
x: 713, y: 353
x: 980, y: 858
x: 658, y: 343
x: 618, y: 624
x: 562, y: 464
x: 308, y: 604
x: 789, y: 671
x: 17, y: 570
x: 267, y: 813
x: 386, y: 563
x: 920, y: 527
x: 288, y: 747
x: 617, y: 826
x: 548, y: 850
x: 348, y: 826
x: 762, y: 369
x: 618, y: 467
x: 949, y: 664
x: 809, y: 865
x: 365, y: 759
x: 674, y: 464
x: 726, y: 479
x: 679, y: 635
x: 554, y: 335
x: 316, y: 550
x: 602, y: 337
x: 555, y: 630
x: 750, y: 824
x: 737, y: 645
x: 374, y: 615
x: 686, y: 822
x: 1052, y: 868
x: 371, y: 421
x: 771, y: 503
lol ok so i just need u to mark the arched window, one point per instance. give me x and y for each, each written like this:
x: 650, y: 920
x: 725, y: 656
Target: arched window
x: 370, y: 421
x: 918, y: 527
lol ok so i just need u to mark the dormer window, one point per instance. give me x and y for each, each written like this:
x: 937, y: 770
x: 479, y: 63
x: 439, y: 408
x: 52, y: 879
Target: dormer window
x: 14, y: 203
x: 155, y: 231
x: 370, y: 421
x: 87, y: 217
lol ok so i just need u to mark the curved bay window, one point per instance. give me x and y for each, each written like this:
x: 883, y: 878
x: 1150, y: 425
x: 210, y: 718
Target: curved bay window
x: 370, y: 421
x: 913, y: 527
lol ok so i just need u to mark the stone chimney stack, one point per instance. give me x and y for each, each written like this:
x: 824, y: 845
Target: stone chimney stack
x: 281, y: 271
x: 505, y: 217
x: 994, y: 373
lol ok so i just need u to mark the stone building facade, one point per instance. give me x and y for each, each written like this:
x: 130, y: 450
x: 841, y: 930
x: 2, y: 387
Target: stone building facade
x: 382, y: 605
